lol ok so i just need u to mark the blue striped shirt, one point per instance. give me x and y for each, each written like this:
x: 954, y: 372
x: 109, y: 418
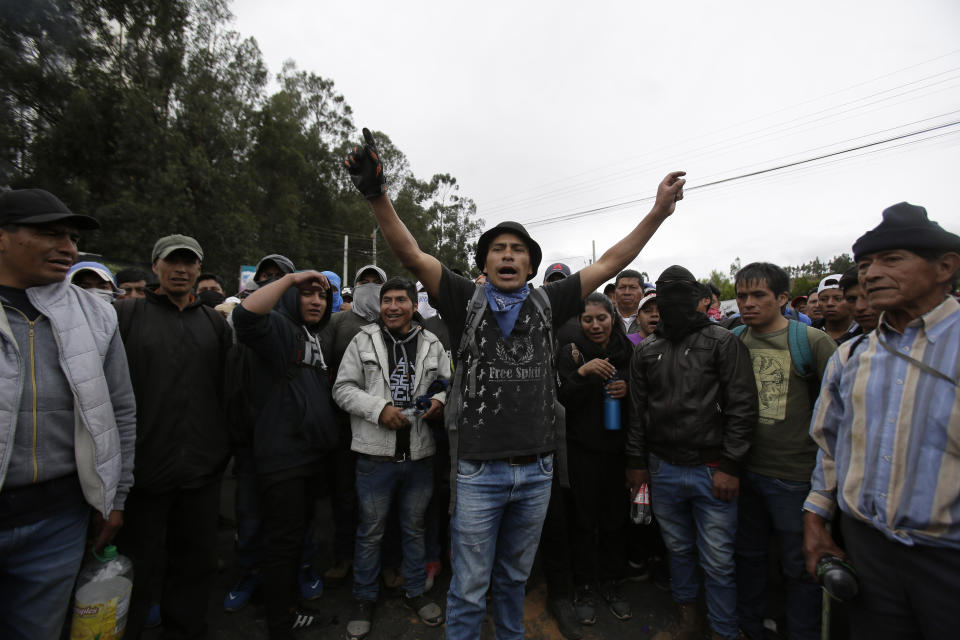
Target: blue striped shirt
x: 889, y: 432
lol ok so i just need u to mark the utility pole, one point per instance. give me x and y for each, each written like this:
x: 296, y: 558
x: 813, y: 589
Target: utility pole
x: 374, y: 236
x: 594, y: 259
x: 346, y: 245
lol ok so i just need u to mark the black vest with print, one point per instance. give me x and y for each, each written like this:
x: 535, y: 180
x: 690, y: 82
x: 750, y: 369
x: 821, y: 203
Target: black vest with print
x: 511, y: 410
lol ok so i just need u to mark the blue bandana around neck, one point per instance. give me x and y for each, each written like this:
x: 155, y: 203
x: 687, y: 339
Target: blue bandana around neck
x: 506, y: 305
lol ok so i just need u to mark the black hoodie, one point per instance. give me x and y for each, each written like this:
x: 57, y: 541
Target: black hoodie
x: 583, y: 396
x: 288, y: 384
x: 176, y: 358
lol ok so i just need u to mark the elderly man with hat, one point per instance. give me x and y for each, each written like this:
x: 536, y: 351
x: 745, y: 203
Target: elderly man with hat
x: 67, y: 411
x: 888, y: 427
x: 501, y: 415
x: 176, y: 347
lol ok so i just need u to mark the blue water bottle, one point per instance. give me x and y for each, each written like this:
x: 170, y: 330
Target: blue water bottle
x: 611, y: 410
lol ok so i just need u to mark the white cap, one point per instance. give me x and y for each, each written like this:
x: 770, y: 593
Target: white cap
x: 94, y: 267
x: 830, y: 282
x: 645, y: 299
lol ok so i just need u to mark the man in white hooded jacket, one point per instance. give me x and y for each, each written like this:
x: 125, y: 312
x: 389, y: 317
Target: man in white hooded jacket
x: 387, y: 368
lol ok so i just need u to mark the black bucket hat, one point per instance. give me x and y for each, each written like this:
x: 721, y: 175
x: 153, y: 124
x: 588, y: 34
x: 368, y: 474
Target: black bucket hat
x: 483, y: 245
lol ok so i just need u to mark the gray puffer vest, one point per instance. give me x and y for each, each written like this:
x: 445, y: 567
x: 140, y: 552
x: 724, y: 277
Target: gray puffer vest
x: 95, y: 365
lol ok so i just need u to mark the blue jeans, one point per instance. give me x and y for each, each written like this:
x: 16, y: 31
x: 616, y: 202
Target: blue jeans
x: 769, y: 506
x: 494, y: 531
x: 377, y: 484
x: 693, y: 521
x: 39, y: 564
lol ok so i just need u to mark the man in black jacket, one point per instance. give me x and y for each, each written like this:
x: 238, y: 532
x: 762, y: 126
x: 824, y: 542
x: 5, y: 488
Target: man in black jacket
x: 694, y: 407
x: 176, y: 348
x: 288, y: 384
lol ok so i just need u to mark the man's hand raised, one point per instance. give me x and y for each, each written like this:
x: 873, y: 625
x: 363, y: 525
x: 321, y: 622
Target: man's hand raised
x: 366, y: 168
x: 669, y: 192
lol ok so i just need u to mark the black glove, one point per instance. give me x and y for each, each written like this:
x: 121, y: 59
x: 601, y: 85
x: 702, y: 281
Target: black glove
x: 366, y: 168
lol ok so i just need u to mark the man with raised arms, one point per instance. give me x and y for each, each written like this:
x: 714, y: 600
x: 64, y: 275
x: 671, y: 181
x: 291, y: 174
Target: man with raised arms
x: 503, y: 429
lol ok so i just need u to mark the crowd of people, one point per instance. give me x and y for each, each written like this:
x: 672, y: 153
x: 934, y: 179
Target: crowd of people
x: 475, y: 421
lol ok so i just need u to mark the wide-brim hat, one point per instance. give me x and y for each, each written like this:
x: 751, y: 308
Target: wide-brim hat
x: 483, y: 245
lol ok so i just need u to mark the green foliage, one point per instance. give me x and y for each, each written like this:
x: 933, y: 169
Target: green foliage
x: 807, y: 276
x: 723, y: 283
x: 803, y: 277
x: 155, y: 117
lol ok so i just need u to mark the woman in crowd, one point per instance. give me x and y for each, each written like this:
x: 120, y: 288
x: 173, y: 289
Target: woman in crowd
x: 595, y: 363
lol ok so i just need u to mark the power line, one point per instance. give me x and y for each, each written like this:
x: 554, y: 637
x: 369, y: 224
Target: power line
x: 619, y: 205
x: 845, y: 141
x: 572, y: 185
x: 781, y: 167
x: 772, y: 113
x: 720, y: 147
x: 804, y: 151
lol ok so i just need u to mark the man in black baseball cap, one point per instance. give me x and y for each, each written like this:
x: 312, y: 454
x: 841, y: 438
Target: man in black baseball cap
x: 36, y: 206
x: 556, y: 271
x: 68, y: 431
x: 45, y: 231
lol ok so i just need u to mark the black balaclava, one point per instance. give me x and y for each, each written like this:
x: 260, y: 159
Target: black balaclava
x: 678, y: 293
x: 211, y: 298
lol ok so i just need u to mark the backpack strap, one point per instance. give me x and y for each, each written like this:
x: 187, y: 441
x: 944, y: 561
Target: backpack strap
x: 542, y: 302
x: 923, y: 366
x: 451, y: 414
x: 468, y: 341
x: 800, y: 351
x: 126, y: 310
x: 856, y: 343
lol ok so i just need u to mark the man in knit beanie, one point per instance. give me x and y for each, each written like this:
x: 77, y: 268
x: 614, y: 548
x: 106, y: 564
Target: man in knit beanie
x: 888, y: 427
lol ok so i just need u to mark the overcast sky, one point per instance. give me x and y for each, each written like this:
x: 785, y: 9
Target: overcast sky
x: 541, y: 109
